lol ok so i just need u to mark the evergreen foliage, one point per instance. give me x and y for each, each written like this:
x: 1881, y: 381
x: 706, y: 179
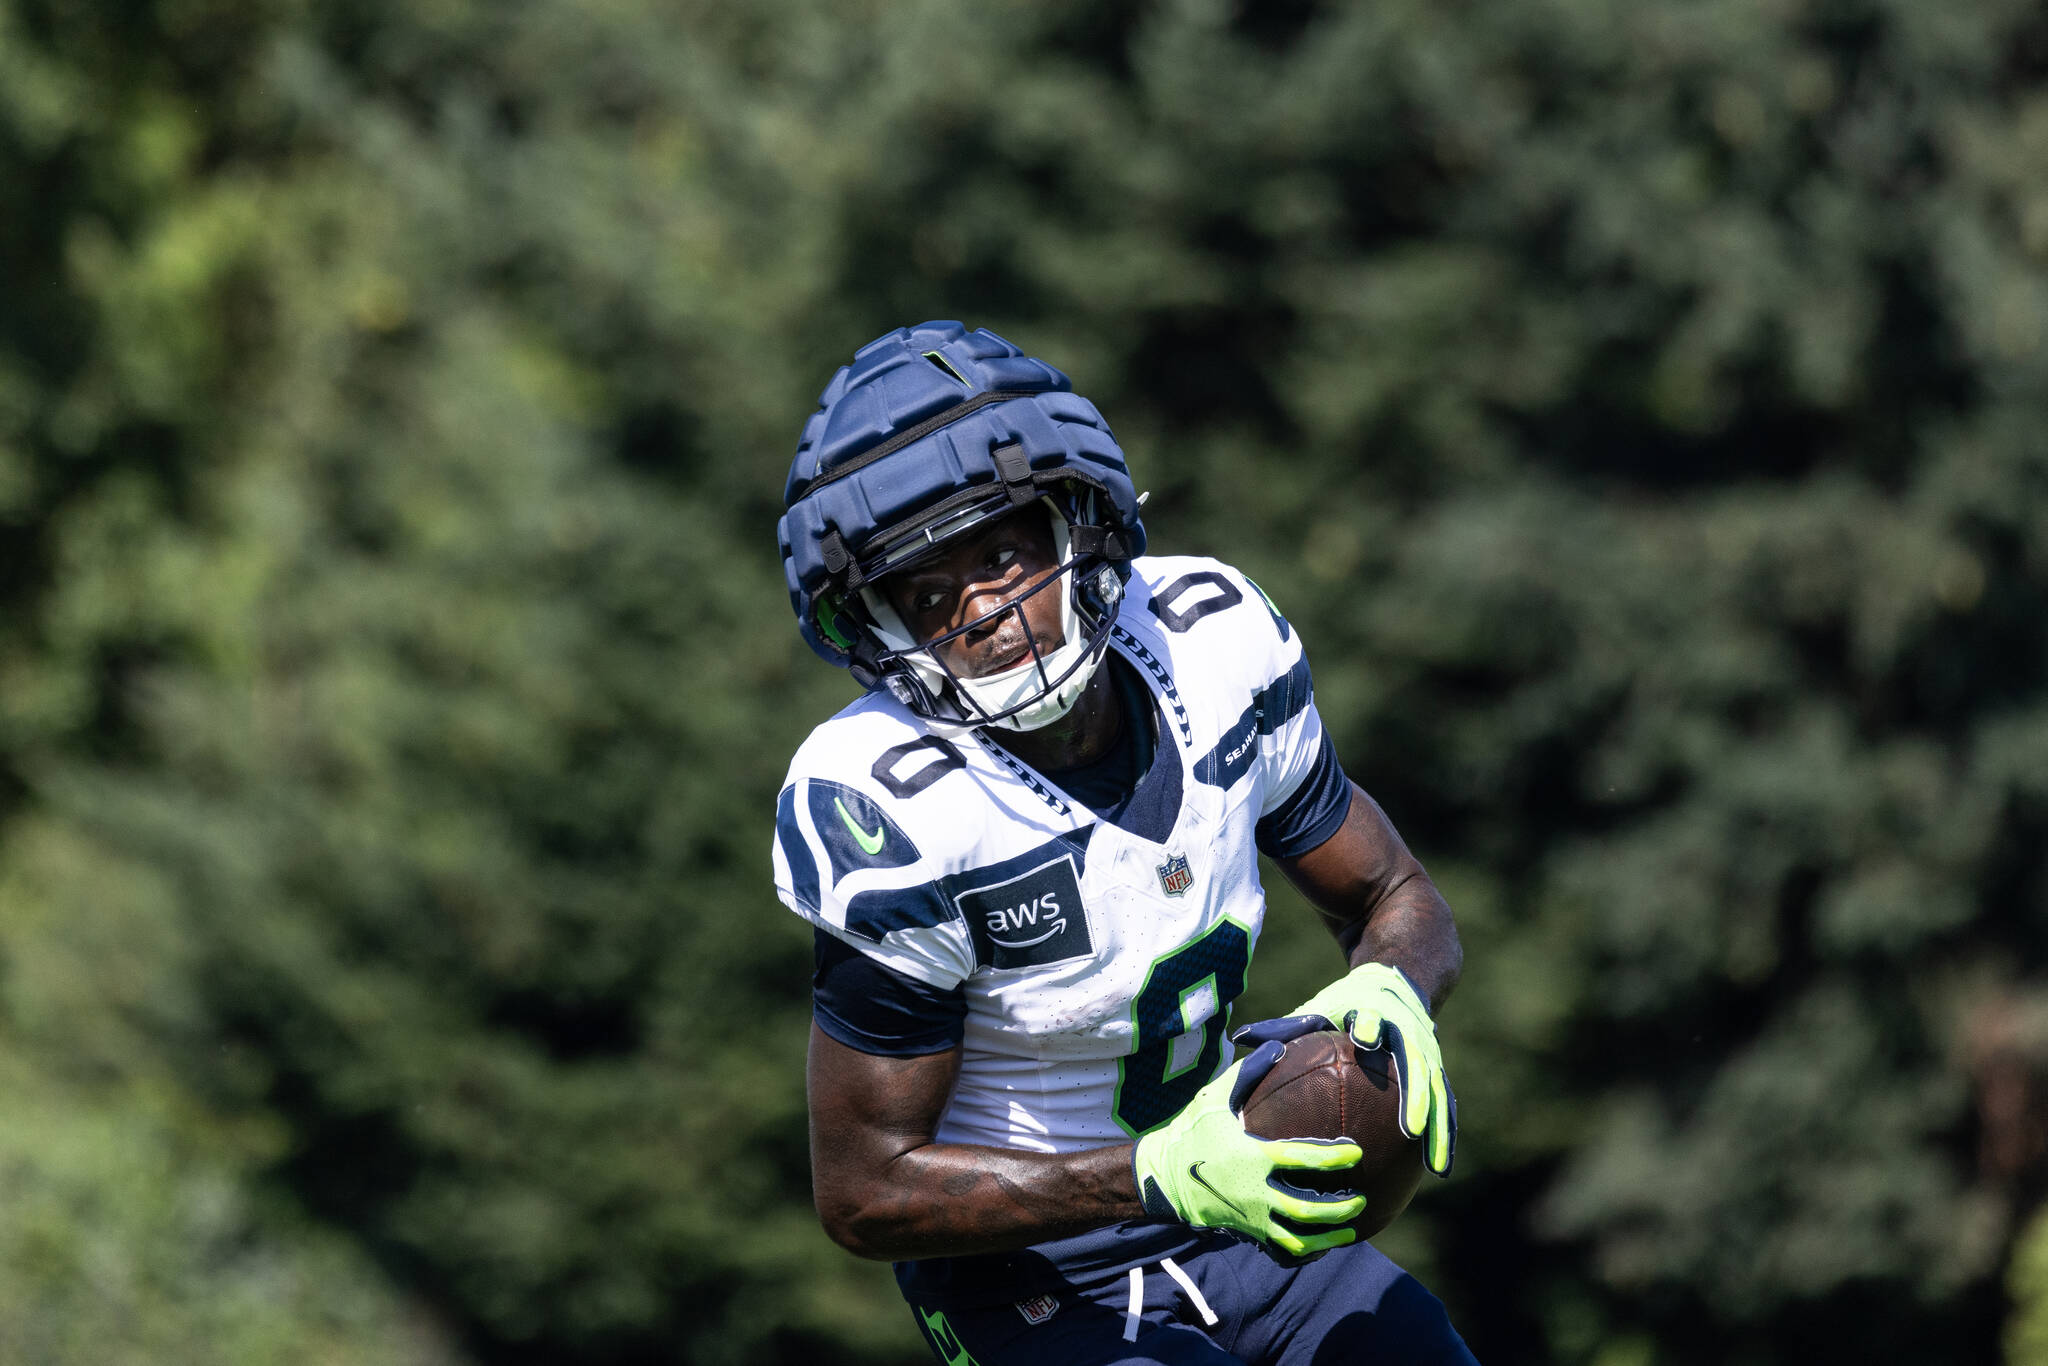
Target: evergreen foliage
x: 1637, y: 406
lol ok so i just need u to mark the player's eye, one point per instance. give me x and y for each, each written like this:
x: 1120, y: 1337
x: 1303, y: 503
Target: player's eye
x: 928, y: 601
x: 1002, y: 557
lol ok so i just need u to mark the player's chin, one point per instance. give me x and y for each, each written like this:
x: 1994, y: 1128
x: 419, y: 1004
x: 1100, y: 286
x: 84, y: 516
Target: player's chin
x: 1004, y: 657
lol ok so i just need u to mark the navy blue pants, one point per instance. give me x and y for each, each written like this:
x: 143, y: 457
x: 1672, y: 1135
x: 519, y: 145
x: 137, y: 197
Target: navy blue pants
x: 1229, y: 1303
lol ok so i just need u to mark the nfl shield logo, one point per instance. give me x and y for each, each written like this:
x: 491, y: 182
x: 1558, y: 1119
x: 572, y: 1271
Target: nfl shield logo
x: 1175, y: 876
x: 1037, y: 1309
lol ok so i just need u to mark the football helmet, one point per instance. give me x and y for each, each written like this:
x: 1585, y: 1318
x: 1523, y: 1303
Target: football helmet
x: 929, y: 434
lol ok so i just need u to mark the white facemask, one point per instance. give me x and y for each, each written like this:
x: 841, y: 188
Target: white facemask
x: 999, y: 692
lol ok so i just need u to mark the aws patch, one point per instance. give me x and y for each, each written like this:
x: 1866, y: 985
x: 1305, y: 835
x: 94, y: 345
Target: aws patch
x: 1033, y: 918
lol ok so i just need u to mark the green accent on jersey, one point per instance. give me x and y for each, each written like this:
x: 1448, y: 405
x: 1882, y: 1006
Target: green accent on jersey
x: 870, y: 844
x: 943, y: 1340
x: 1150, y: 1087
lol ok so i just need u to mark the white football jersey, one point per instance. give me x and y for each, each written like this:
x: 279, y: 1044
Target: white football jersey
x: 1098, y: 967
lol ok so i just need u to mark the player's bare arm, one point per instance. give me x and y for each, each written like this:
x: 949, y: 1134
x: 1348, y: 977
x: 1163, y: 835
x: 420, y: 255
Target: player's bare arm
x: 885, y: 1190
x: 1404, y: 954
x: 1376, y: 899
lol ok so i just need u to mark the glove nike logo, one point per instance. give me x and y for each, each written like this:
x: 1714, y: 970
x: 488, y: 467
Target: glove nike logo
x: 1195, y: 1171
x: 870, y: 844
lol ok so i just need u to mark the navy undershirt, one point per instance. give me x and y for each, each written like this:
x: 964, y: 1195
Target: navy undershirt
x: 1108, y: 785
x: 874, y: 1009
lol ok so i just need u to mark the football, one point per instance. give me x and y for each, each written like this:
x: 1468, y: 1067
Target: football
x: 1325, y: 1086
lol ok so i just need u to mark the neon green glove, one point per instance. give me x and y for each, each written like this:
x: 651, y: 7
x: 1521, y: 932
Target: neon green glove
x: 1376, y: 1003
x: 1203, y: 1169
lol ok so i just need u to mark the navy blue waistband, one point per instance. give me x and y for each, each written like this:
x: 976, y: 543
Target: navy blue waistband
x: 1077, y: 1263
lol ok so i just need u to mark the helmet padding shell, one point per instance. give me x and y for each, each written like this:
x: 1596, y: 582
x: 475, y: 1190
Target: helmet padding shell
x: 931, y: 431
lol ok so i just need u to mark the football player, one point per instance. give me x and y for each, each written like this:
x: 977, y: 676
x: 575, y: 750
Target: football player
x: 1030, y: 857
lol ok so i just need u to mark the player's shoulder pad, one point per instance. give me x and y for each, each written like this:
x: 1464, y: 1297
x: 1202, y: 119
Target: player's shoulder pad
x: 1224, y: 638
x: 1210, y: 606
x: 860, y: 845
x: 877, y: 747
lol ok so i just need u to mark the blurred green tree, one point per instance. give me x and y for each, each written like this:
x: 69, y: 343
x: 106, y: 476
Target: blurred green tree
x: 1635, y: 405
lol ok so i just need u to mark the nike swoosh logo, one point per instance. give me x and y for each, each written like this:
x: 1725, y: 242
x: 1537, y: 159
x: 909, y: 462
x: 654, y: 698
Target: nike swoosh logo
x: 1195, y: 1171
x: 870, y: 844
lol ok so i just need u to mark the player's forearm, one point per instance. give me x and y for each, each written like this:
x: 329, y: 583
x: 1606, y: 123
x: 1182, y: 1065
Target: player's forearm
x: 1375, y: 897
x: 1411, y: 928
x: 950, y: 1199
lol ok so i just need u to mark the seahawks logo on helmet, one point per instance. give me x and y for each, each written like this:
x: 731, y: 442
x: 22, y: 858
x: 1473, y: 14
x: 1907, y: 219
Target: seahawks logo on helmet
x: 931, y: 433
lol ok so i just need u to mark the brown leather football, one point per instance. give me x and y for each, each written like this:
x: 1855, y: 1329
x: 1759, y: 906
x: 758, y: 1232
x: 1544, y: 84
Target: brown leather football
x: 1325, y: 1086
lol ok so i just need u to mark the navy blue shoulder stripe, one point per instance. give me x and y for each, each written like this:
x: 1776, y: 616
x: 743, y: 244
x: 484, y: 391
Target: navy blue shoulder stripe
x: 855, y: 831
x: 872, y: 915
x: 1272, y: 707
x: 1284, y: 698
x: 803, y: 868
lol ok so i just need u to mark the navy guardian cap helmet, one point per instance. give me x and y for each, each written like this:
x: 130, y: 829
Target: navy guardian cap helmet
x: 931, y: 433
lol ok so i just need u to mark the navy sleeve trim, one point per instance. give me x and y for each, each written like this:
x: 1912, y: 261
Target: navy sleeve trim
x: 803, y: 867
x: 1284, y: 698
x: 1313, y: 814
x: 871, y: 1009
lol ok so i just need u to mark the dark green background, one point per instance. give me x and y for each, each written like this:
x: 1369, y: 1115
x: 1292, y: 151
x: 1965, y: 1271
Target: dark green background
x: 1641, y: 406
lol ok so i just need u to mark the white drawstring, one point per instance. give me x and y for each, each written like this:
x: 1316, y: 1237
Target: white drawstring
x: 1181, y: 1278
x: 1194, y: 1296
